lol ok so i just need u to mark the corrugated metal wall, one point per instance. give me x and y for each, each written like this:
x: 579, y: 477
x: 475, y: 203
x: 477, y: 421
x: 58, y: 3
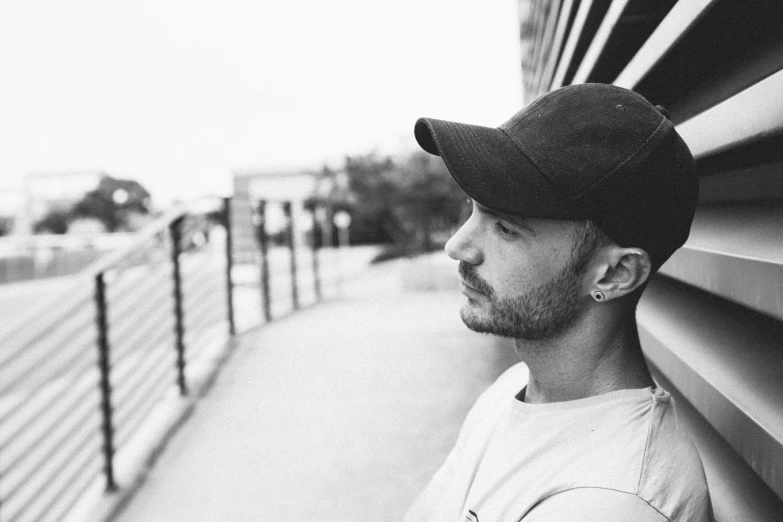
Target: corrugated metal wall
x: 712, y: 321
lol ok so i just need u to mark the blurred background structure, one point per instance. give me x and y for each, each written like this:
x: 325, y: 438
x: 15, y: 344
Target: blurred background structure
x: 125, y: 298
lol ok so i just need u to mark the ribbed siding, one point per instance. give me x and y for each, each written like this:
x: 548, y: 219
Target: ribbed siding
x: 711, y: 322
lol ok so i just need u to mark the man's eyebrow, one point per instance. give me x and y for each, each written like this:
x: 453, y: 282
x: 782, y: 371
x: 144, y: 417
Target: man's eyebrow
x: 519, y: 221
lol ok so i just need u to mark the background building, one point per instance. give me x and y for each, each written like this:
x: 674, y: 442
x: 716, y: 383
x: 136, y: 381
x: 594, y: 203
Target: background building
x: 251, y: 186
x: 712, y: 320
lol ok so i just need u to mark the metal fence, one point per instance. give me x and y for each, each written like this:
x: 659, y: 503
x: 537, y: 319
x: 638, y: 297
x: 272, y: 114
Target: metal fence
x: 81, y: 373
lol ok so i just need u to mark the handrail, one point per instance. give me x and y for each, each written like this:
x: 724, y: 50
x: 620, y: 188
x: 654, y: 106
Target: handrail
x: 160, y: 226
x: 87, y: 275
x: 102, y: 319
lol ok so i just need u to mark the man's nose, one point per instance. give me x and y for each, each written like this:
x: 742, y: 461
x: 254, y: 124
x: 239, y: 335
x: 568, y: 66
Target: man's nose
x: 462, y: 245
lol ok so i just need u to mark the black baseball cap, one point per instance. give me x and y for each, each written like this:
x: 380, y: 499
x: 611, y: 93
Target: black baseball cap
x: 589, y: 151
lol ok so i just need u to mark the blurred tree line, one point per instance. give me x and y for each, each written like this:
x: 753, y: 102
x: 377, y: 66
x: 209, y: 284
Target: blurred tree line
x: 412, y: 204
x: 114, y: 203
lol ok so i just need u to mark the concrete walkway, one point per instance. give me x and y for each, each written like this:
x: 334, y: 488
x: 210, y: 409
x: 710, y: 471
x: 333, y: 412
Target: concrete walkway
x: 340, y: 412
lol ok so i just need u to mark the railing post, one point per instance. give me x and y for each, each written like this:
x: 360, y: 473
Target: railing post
x: 316, y: 267
x: 105, y: 382
x: 175, y: 228
x: 289, y: 218
x: 263, y: 246
x: 229, y: 264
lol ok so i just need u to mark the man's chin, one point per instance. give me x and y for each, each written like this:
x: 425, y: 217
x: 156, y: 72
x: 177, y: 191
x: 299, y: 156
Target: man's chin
x: 474, y: 320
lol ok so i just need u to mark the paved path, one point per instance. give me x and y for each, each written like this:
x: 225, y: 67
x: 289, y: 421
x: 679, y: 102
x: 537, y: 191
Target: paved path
x: 340, y: 412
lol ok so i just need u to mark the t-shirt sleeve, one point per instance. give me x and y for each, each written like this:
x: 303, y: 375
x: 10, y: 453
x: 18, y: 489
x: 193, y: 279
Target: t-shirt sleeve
x: 594, y: 505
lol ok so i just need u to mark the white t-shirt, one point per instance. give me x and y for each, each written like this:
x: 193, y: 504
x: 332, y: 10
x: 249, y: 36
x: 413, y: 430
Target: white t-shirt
x: 618, y: 456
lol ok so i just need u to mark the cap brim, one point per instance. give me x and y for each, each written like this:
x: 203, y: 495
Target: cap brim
x: 492, y: 170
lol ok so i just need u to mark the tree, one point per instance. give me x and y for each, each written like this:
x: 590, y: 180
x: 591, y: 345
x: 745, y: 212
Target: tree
x: 54, y: 222
x: 413, y: 203
x: 376, y: 185
x: 432, y: 204
x: 113, y: 203
x: 6, y: 225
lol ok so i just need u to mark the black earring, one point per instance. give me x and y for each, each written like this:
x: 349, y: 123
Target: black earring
x: 599, y: 296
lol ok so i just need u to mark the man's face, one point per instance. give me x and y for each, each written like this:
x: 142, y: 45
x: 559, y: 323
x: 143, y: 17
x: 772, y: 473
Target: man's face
x: 519, y: 275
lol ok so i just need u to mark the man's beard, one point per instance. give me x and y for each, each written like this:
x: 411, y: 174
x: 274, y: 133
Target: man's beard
x: 538, y: 314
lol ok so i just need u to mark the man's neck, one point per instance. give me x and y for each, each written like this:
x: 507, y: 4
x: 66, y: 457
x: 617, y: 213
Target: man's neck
x: 595, y: 356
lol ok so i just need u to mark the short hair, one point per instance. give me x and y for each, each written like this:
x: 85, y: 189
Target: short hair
x: 588, y: 238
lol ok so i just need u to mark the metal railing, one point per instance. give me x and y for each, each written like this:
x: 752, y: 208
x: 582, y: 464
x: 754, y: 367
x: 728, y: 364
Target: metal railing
x: 81, y: 373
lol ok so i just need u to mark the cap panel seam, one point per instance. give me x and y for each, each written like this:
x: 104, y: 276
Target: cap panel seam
x: 652, y: 140
x: 543, y: 175
x: 463, y: 156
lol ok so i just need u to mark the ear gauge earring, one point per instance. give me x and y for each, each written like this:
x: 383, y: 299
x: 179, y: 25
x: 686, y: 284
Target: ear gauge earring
x: 598, y: 296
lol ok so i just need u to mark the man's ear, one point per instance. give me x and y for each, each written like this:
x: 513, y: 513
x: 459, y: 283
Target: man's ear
x: 620, y: 271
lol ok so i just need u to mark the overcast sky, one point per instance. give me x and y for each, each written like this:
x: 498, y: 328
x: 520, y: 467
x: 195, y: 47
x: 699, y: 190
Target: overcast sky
x: 177, y: 94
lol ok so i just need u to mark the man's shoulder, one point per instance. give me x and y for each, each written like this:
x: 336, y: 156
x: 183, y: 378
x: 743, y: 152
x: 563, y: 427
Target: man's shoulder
x: 672, y: 476
x: 633, y: 451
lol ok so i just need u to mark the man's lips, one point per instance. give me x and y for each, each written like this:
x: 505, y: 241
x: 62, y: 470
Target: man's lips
x: 470, y: 287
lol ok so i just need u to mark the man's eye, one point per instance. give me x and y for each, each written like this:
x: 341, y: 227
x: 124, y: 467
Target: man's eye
x: 502, y: 229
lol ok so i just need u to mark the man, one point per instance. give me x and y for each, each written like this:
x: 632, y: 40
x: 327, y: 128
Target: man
x: 577, y: 200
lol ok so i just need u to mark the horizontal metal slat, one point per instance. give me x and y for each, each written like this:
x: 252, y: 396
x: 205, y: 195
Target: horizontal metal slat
x: 38, y: 330
x: 48, y: 363
x: 749, y: 115
x: 132, y: 278
x: 678, y: 22
x: 78, y: 459
x: 210, y: 290
x: 599, y: 40
x: 570, y: 46
x: 38, y: 411
x: 755, y: 183
x: 566, y: 10
x: 40, y: 319
x: 84, y: 472
x: 201, y: 319
x: 135, y: 350
x: 154, y: 311
x: 727, y: 362
x: 60, y: 506
x: 624, y: 37
x: 735, y: 252
x: 195, y: 281
x: 204, y: 343
x: 133, y: 377
x: 151, y: 330
x: 42, y: 451
x: 547, y: 40
x: 737, y: 493
x: 131, y: 301
x: 130, y: 418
